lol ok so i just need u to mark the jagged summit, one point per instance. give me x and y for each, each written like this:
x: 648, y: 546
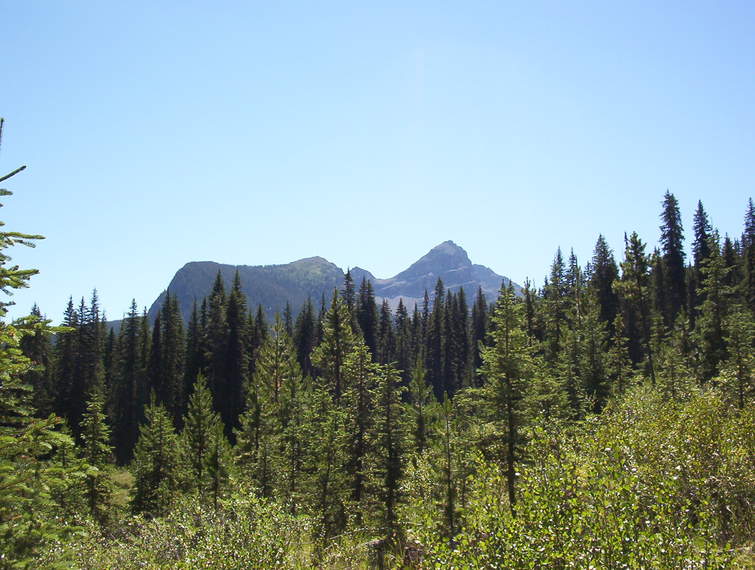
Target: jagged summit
x: 272, y: 286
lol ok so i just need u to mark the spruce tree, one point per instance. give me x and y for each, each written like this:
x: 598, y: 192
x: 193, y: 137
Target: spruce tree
x: 236, y: 358
x: 200, y: 424
x: 386, y: 335
x: 390, y: 443
x: 38, y: 349
x: 435, y: 337
x: 634, y: 291
x: 27, y: 473
x: 360, y: 377
x: 130, y: 383
x: 156, y: 465
x: 604, y: 274
x: 97, y: 452
x: 304, y: 337
x: 338, y: 338
x: 367, y: 316
x: 672, y: 241
x: 506, y: 365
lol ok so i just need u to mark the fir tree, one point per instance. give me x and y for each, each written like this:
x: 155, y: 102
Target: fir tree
x: 200, y: 424
x: 338, y: 338
x: 26, y: 471
x: 156, y: 464
x: 367, y: 316
x: 672, y: 240
x: 506, y: 364
x: 130, y: 383
x: 390, y: 443
x: 604, y: 274
x: 386, y: 335
x: 97, y: 453
x: 304, y: 337
x: 435, y: 343
x: 236, y: 357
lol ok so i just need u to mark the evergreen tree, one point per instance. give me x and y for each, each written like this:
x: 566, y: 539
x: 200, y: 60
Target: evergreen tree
x: 739, y: 337
x: 404, y: 340
x: 216, y: 341
x: 421, y: 407
x: 480, y: 329
x: 748, y: 256
x: 156, y: 464
x: 555, y: 306
x: 710, y: 324
x: 194, y: 356
x: 200, y: 426
x: 173, y: 358
x: 390, y: 443
x: 672, y: 241
x: 604, y: 274
x: 633, y: 288
x: 338, y: 338
x: 66, y: 353
x: 360, y: 376
x: 386, y: 336
x: 505, y: 368
x: 97, y: 453
x: 236, y: 358
x: 435, y: 343
x: 27, y: 504
x: 130, y: 383
x: 38, y: 349
x: 305, y: 331
x: 367, y: 316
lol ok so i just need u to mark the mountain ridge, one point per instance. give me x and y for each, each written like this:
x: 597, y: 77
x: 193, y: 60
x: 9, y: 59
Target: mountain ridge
x: 272, y: 286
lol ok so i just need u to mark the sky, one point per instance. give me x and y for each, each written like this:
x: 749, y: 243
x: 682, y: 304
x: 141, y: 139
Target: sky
x: 158, y: 133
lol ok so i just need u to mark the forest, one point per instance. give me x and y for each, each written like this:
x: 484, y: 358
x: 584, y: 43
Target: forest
x: 603, y: 420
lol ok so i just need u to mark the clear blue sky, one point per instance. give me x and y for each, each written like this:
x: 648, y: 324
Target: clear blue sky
x: 161, y: 132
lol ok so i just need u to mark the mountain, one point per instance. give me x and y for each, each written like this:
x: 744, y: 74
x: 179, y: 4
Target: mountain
x: 273, y: 285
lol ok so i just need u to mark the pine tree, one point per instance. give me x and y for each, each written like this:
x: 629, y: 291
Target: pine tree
x: 27, y: 505
x: 386, y: 335
x: 130, y: 383
x: 194, y: 356
x: 360, y: 377
x: 304, y: 337
x: 404, y: 340
x: 479, y: 330
x: 672, y: 241
x: 390, y: 443
x: 367, y: 316
x: 236, y: 358
x: 38, y: 349
x: 506, y: 366
x: 66, y: 353
x: 200, y: 424
x: 218, y: 464
x: 604, y: 274
x: 710, y: 323
x: 634, y: 291
x: 338, y: 338
x: 739, y: 337
x: 435, y: 343
x: 173, y: 361
x: 156, y: 464
x: 97, y: 453
x: 555, y: 306
x: 216, y: 341
x: 421, y: 407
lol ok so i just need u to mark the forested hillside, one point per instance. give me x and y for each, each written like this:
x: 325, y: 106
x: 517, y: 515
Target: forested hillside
x: 603, y: 420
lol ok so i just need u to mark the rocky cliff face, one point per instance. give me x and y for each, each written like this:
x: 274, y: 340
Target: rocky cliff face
x: 272, y: 286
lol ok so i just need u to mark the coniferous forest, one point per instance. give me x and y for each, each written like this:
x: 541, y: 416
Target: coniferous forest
x: 603, y: 420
